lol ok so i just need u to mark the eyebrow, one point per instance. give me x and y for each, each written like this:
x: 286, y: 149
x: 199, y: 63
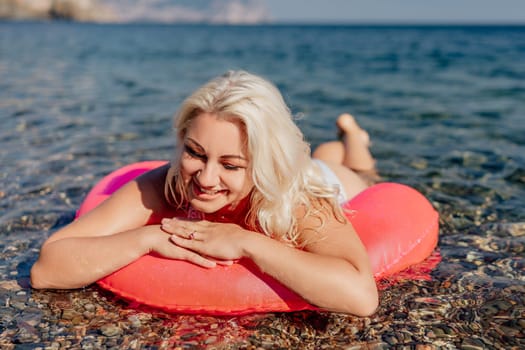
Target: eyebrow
x: 226, y: 156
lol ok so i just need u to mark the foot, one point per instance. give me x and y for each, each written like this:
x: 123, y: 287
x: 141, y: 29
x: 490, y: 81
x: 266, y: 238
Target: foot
x: 348, y: 127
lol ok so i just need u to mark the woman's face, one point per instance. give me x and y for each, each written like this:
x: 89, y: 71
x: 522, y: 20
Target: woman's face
x: 215, y: 164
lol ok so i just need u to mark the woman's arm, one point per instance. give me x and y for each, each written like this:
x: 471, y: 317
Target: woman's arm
x: 333, y: 272
x: 75, y: 262
x: 108, y: 238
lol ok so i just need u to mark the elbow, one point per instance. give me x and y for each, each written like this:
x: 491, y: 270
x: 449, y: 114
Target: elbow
x: 369, y: 302
x: 36, y: 279
x: 368, y: 305
x: 39, y: 275
x: 36, y: 284
x: 39, y: 279
x: 363, y: 302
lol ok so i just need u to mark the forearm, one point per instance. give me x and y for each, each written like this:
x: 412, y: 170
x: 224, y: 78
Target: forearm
x: 78, y: 261
x: 335, y: 274
x: 328, y: 282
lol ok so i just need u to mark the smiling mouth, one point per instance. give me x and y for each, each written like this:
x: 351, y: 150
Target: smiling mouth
x: 198, y: 190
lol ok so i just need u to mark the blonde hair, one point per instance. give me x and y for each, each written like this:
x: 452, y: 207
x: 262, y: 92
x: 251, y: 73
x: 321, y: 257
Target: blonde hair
x: 281, y: 168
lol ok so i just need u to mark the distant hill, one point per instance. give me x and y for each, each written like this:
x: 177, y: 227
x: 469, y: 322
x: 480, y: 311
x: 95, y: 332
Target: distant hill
x: 81, y: 10
x: 167, y: 11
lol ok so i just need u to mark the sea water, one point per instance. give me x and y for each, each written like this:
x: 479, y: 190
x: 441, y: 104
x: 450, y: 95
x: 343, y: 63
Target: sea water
x: 444, y: 105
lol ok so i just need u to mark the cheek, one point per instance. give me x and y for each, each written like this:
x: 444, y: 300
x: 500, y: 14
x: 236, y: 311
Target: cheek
x: 188, y: 166
x: 242, y: 183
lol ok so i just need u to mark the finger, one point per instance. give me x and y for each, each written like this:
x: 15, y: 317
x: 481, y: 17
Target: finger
x: 224, y: 262
x: 198, y: 234
x: 199, y: 259
x: 174, y: 226
x: 170, y: 226
x: 184, y: 242
x: 194, y: 235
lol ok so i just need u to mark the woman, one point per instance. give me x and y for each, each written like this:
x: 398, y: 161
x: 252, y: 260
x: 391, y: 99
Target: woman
x: 241, y: 185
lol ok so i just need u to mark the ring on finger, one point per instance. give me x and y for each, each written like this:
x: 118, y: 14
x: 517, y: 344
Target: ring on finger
x: 192, y: 235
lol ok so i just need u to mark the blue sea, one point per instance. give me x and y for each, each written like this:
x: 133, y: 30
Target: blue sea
x: 444, y: 106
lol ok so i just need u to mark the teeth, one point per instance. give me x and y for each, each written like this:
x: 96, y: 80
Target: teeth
x: 210, y: 192
x: 203, y: 190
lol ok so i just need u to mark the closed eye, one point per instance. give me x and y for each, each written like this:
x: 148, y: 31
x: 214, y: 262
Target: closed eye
x: 231, y: 167
x: 193, y: 153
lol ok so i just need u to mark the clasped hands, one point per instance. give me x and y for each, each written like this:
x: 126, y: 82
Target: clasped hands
x: 216, y: 243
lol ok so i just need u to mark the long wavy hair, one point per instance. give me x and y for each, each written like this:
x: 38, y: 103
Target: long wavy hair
x: 281, y: 167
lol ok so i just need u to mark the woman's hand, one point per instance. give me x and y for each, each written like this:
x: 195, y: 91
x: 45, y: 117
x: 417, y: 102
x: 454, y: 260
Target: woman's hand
x: 161, y: 244
x: 221, y: 241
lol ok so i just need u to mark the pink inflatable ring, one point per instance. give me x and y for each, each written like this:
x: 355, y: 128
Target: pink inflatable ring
x: 398, y: 226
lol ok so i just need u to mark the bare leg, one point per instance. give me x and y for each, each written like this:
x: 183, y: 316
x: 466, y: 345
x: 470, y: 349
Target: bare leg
x: 353, y: 151
x: 350, y: 159
x: 356, y: 143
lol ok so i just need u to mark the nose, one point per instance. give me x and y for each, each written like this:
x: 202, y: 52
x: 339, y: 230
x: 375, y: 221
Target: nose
x: 208, y: 176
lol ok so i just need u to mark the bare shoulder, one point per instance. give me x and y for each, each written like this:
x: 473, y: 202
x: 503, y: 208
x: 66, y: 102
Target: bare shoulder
x: 150, y: 187
x: 145, y: 192
x: 128, y: 208
x: 317, y: 222
x: 325, y: 232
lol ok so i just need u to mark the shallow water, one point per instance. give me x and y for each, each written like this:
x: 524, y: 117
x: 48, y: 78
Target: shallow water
x: 444, y: 107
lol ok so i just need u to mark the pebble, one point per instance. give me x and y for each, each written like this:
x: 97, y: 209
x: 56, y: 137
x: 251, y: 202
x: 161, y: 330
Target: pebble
x: 472, y: 344
x: 10, y: 285
x: 211, y: 340
x: 110, y: 330
x: 89, y: 307
x: 473, y: 300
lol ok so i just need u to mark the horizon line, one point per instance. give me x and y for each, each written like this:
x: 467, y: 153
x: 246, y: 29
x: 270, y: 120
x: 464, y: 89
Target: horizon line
x: 302, y: 22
